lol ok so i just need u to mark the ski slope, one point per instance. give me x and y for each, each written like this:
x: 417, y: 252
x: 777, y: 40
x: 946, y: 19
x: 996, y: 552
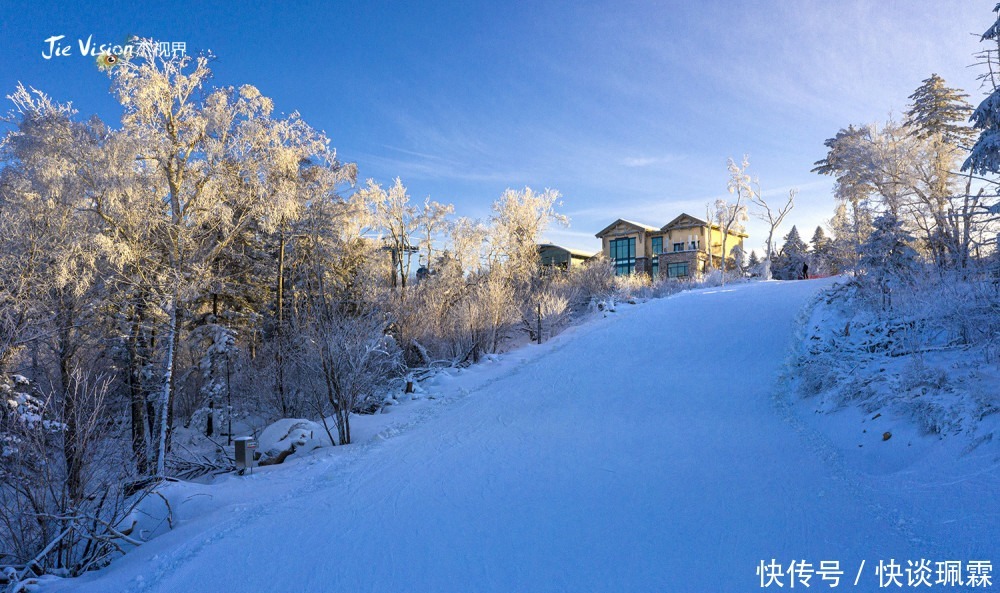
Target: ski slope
x: 642, y: 451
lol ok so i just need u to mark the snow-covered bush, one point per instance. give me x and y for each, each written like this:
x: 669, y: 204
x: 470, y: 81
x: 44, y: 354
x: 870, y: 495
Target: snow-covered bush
x: 60, y: 477
x: 594, y: 279
x: 628, y: 287
x: 548, y: 310
x: 351, y: 359
x: 928, y: 358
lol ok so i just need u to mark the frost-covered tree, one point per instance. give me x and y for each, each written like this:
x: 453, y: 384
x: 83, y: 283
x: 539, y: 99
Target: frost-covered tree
x: 821, y: 247
x: 793, y: 255
x: 909, y: 169
x: 754, y: 264
x: 842, y: 162
x: 938, y: 116
x: 397, y: 220
x: 984, y: 159
x: 518, y: 221
x: 211, y: 162
x: 850, y: 226
x: 887, y: 258
x: 773, y: 216
x: 500, y: 262
x: 731, y: 217
x: 938, y: 110
x: 218, y: 344
x: 739, y: 257
x: 356, y: 358
x: 819, y: 242
x: 432, y: 223
x: 45, y: 193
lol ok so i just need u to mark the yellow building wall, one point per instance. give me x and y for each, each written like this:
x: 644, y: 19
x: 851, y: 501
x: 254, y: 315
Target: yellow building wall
x: 643, y: 243
x: 731, y: 243
x: 644, y: 240
x: 687, y: 235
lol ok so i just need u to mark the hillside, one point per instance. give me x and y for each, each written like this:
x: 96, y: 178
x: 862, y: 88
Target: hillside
x: 651, y: 449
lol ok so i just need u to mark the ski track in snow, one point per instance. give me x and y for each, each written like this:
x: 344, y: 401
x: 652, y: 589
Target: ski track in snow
x: 655, y: 449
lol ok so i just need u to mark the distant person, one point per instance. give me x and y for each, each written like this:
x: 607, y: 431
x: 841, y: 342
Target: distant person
x: 805, y: 271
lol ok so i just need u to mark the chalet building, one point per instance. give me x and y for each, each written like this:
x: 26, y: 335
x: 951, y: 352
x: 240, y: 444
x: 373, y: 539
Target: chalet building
x: 683, y: 247
x: 555, y: 256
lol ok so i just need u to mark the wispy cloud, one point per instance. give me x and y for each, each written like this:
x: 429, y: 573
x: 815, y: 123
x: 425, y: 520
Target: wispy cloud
x: 647, y: 161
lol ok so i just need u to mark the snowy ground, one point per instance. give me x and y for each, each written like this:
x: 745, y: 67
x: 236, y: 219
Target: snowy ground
x: 653, y: 449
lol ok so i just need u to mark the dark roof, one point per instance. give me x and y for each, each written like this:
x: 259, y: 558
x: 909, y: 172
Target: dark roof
x: 572, y: 252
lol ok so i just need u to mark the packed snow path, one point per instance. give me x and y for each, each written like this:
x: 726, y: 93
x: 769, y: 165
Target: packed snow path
x: 640, y: 452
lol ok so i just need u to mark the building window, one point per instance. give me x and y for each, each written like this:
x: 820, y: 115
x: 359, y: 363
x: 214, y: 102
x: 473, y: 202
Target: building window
x: 622, y: 254
x: 677, y: 270
x: 556, y: 261
x: 655, y: 260
x: 694, y: 245
x: 678, y: 247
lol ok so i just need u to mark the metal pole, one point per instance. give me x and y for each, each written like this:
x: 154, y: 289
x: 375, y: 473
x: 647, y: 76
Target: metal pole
x: 229, y: 401
x: 539, y: 323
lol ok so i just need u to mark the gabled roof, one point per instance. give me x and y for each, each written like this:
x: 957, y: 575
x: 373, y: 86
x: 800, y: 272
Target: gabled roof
x: 685, y: 220
x: 572, y: 252
x: 636, y: 225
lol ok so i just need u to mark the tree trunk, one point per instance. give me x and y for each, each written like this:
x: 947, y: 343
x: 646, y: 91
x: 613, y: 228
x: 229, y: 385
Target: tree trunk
x: 279, y: 355
x: 725, y: 238
x: 210, y: 419
x: 770, y: 253
x: 167, y: 394
x: 72, y: 453
x: 137, y: 395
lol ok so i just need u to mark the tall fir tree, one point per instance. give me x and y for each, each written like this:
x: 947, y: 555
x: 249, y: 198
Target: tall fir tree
x: 794, y: 253
x: 887, y: 258
x: 821, y: 247
x: 940, y: 110
x: 984, y: 159
x: 938, y: 118
x: 753, y: 264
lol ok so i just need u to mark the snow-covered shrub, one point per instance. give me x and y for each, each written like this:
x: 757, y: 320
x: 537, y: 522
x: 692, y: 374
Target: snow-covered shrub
x: 351, y: 359
x: 260, y: 390
x: 628, y: 287
x: 594, y: 280
x: 60, y: 474
x: 709, y: 279
x: 927, y: 358
x: 547, y: 311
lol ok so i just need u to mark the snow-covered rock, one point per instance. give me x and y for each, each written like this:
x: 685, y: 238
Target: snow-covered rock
x: 306, y: 435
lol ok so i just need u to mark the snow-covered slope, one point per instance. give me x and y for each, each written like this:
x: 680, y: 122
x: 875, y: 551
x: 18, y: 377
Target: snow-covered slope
x: 643, y: 451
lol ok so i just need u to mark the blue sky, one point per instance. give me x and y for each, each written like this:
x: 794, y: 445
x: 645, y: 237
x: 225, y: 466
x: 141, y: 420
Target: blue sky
x: 629, y: 109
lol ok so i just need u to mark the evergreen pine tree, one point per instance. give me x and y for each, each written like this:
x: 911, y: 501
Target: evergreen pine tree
x: 793, y: 255
x: 820, y: 241
x: 819, y: 263
x: 886, y: 259
x: 984, y: 158
x: 738, y: 256
x: 937, y: 117
x: 938, y: 109
x: 753, y: 264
